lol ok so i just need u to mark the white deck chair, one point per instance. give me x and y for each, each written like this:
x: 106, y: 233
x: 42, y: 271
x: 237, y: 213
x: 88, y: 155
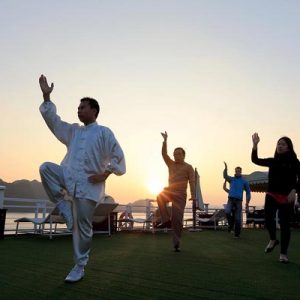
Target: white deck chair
x: 147, y: 223
x: 52, y: 219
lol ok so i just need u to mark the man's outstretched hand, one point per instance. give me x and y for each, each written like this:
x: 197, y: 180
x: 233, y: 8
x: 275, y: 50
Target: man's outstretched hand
x: 165, y: 136
x: 46, y: 89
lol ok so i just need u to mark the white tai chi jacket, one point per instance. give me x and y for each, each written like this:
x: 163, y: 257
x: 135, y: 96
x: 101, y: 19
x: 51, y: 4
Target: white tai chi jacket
x: 91, y: 150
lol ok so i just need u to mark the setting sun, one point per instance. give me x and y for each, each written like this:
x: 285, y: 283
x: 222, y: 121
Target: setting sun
x: 155, y: 186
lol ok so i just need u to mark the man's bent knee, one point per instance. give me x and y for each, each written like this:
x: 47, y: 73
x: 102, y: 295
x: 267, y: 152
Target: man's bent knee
x: 43, y: 167
x: 46, y: 166
x: 159, y: 199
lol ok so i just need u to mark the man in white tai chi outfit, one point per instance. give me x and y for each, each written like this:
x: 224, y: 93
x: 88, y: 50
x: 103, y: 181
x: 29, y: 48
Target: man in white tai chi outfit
x: 93, y: 153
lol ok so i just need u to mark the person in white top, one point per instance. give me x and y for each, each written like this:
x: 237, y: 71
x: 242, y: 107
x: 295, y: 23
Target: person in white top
x: 93, y: 153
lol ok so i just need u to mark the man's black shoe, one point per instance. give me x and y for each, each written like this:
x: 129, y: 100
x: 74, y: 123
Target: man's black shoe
x: 164, y: 225
x: 176, y: 248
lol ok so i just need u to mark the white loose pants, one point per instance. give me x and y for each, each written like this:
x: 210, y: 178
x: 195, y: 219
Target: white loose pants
x: 83, y: 211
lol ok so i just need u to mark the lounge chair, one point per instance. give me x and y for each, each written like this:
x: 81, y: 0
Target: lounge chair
x: 101, y: 214
x: 255, y: 217
x: 147, y: 223
x: 206, y: 220
x: 52, y: 219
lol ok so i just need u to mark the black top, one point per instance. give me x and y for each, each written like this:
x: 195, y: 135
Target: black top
x: 284, y: 172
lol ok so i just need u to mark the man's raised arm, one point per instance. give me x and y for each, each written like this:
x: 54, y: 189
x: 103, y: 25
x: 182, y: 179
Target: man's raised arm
x: 46, y: 89
x: 164, y: 150
x: 62, y: 130
x: 225, y: 174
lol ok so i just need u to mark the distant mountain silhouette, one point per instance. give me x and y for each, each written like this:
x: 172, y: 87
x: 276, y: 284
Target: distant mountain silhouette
x: 34, y: 190
x: 24, y: 189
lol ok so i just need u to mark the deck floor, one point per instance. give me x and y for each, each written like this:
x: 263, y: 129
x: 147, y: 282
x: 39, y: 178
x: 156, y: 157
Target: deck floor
x: 130, y: 265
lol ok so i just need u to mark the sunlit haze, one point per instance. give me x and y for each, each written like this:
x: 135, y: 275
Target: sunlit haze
x: 155, y: 186
x: 210, y: 73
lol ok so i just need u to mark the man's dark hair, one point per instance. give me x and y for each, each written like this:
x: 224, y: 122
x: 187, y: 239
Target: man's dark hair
x: 92, y: 103
x: 179, y: 148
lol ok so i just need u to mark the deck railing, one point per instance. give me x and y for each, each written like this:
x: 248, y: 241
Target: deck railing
x: 38, y: 208
x: 20, y: 207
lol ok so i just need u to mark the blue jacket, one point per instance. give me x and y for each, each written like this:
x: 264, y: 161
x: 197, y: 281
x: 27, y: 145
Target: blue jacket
x: 237, y: 186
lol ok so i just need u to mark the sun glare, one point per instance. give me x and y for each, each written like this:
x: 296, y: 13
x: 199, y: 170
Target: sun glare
x: 154, y: 186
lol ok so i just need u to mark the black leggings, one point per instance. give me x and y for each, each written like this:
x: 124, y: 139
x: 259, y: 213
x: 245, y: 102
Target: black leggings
x: 284, y: 214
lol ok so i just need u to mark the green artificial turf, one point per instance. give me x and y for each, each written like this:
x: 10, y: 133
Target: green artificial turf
x: 212, y: 265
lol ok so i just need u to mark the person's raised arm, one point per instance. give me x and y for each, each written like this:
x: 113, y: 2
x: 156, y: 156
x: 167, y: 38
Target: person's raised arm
x: 225, y: 174
x: 62, y: 130
x: 46, y: 89
x: 225, y: 187
x: 255, y: 140
x: 164, y: 150
x: 254, y: 157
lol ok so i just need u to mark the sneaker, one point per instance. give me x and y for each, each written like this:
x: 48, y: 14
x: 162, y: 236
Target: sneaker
x: 270, y: 247
x: 65, y: 209
x: 283, y: 258
x: 76, y: 274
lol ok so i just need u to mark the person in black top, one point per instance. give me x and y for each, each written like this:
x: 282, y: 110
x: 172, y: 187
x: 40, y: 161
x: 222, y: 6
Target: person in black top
x: 284, y: 182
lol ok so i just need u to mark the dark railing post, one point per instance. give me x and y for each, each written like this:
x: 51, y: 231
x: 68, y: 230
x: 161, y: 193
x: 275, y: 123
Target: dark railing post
x: 194, y: 213
x: 2, y: 212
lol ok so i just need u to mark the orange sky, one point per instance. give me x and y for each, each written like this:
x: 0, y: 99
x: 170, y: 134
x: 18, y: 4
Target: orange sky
x: 210, y: 73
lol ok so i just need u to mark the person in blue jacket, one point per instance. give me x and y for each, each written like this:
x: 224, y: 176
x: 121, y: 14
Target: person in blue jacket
x: 234, y: 206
